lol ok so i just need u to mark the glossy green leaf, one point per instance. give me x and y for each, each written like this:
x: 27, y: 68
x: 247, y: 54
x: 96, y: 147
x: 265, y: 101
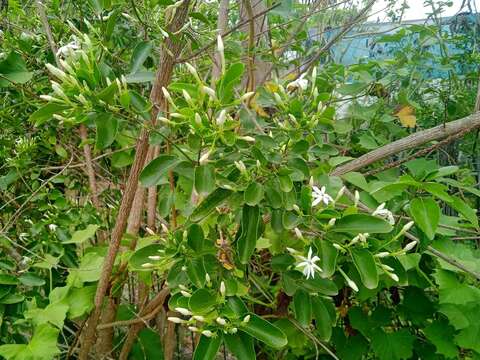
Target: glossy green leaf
x: 207, y: 348
x: 253, y: 194
x: 250, y: 232
x: 202, y: 301
x: 204, y: 179
x: 323, y: 321
x: 146, y: 254
x: 140, y: 53
x: 328, y: 258
x: 302, y: 305
x: 46, y: 113
x: 6, y: 279
x: 13, y: 70
x: 463, y: 208
x: 264, y: 331
x: 195, y: 237
x: 426, y: 214
x: 240, y: 345
x: 30, y: 279
x: 107, y: 128
x: 362, y: 223
x: 365, y: 264
x: 158, y: 168
x: 196, y: 271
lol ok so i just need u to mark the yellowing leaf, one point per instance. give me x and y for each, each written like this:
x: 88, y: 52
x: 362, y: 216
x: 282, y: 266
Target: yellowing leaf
x: 258, y: 109
x: 271, y: 86
x: 407, y: 117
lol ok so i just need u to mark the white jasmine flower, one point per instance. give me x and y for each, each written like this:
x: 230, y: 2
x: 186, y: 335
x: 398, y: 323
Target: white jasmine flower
x: 320, y: 195
x: 340, y: 193
x: 406, y: 227
x: 68, y: 48
x: 183, y: 311
x: 362, y: 237
x: 352, y: 284
x: 56, y: 72
x: 386, y: 214
x: 300, y: 83
x: 52, y: 227
x: 233, y: 330
x: 387, y: 268
x: 308, y: 264
x: 193, y: 71
x: 338, y: 247
x: 332, y: 222
x: 291, y: 251
x: 187, y: 97
x: 210, y: 92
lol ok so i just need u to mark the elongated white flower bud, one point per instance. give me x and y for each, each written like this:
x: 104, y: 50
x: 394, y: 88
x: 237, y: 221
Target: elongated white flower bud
x: 246, y: 319
x: 193, y: 71
x: 147, y: 265
x: 198, y: 119
x: 340, y: 193
x: 207, y: 333
x: 386, y: 267
x: 406, y: 227
x: 223, y: 290
x: 247, y: 95
x: 199, y: 318
x: 298, y: 233
x: 204, y: 158
x: 183, y: 311
x: 241, y: 166
x: 393, y: 276
x: 337, y: 246
x: 410, y: 246
x: 210, y: 92
x: 382, y: 254
x: 185, y: 293
x: 221, y: 321
x: 332, y: 222
x: 221, y: 117
x: 154, y: 257
x: 247, y: 138
x: 357, y: 198
x: 193, y: 328
x: 56, y: 72
x: 220, y: 46
x: 352, y: 284
x: 187, y: 97
x: 175, y: 320
x: 48, y: 98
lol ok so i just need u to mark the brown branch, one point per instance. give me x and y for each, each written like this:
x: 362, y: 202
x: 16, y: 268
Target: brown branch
x: 163, y: 77
x: 422, y: 152
x: 152, y: 307
x: 250, y: 45
x: 212, y: 43
x: 87, y: 152
x: 222, y: 24
x: 48, y: 30
x: 152, y: 195
x: 466, y: 124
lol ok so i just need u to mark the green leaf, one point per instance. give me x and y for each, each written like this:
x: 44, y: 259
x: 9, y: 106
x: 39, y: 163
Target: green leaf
x: 250, y: 232
x: 357, y: 179
x: 107, y: 128
x: 207, y: 348
x: 352, y: 89
x: 195, y: 238
x: 365, y: 264
x: 302, y: 305
x: 240, y: 345
x: 6, y: 279
x: 393, y: 346
x: 319, y: 285
x: 140, y: 53
x: 328, y: 257
x: 81, y: 236
x: 158, y: 168
x: 148, y: 346
x: 264, y: 331
x: 42, y: 346
x: 30, y: 279
x: 426, y: 214
x: 196, y: 271
x: 209, y: 204
x: 202, y: 301
x: 46, y: 113
x: 464, y: 209
x: 142, y: 256
x: 441, y: 334
x: 323, y: 321
x: 54, y: 314
x: 253, y: 194
x: 80, y: 301
x: 13, y: 70
x: 362, y: 223
x: 204, y: 179
x: 231, y: 78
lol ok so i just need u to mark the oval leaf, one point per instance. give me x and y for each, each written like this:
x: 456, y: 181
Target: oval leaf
x: 204, y: 179
x: 362, y: 223
x: 264, y: 331
x: 240, y: 345
x: 365, y: 264
x: 207, y: 348
x: 426, y: 214
x: 157, y: 168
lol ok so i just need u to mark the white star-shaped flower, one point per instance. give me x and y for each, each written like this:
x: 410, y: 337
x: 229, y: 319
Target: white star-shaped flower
x: 320, y: 195
x: 308, y: 264
x: 386, y: 214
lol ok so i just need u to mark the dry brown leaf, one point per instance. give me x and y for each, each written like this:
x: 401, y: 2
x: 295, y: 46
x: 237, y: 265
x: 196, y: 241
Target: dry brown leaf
x: 407, y: 117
